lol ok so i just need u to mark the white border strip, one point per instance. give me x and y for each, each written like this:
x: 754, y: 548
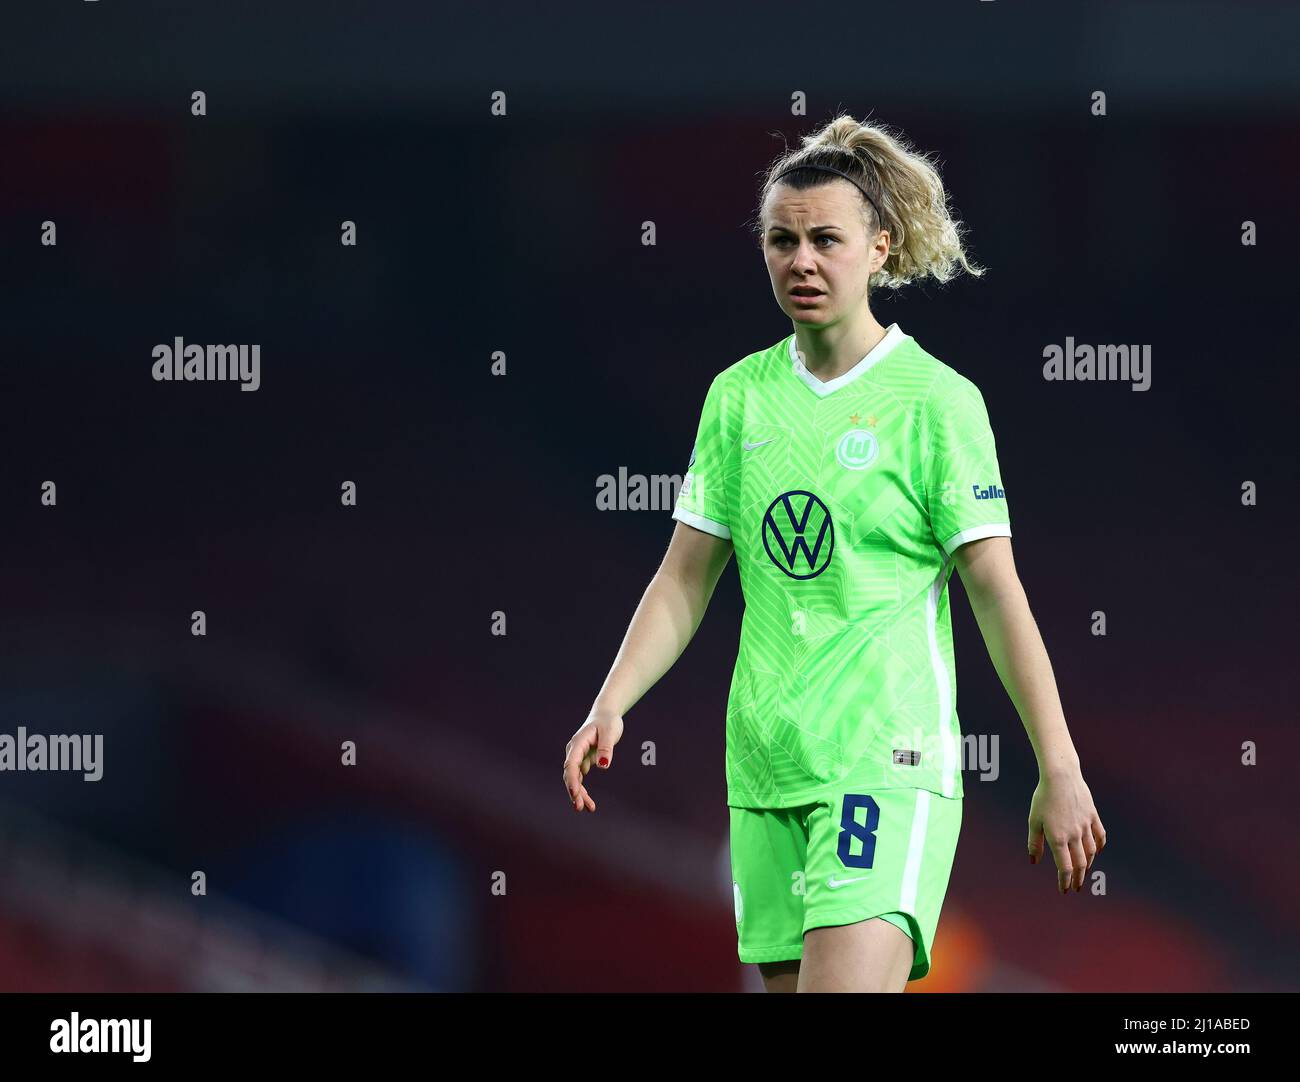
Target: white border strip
x: 975, y: 533
x: 915, y: 851
x: 941, y: 680
x: 893, y: 336
x: 702, y: 523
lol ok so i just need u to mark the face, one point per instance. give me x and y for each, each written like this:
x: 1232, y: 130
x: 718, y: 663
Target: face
x: 816, y: 239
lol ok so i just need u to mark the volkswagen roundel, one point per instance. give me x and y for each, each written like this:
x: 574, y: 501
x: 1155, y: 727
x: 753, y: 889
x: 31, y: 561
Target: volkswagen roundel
x: 797, y: 524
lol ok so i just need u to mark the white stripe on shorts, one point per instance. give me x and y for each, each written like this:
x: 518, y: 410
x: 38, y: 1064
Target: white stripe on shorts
x: 915, y: 849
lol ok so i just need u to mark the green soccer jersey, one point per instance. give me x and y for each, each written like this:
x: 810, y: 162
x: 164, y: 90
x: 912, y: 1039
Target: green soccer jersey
x: 845, y: 501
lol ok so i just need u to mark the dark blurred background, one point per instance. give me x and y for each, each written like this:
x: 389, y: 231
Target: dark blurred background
x: 447, y: 857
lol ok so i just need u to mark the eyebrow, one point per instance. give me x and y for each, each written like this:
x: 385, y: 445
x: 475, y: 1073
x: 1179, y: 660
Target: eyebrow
x: 814, y: 229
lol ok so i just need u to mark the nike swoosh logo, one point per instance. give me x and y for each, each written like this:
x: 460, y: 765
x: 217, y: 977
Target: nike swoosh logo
x: 750, y: 446
x: 835, y: 884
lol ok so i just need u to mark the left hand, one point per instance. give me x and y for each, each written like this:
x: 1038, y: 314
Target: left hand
x: 1062, y: 811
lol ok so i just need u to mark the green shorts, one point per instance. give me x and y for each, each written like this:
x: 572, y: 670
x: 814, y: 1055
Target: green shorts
x: 843, y: 859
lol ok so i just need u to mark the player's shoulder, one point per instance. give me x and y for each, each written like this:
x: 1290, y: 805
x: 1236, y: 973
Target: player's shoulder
x: 942, y: 383
x: 754, y: 367
x: 730, y: 387
x: 921, y: 361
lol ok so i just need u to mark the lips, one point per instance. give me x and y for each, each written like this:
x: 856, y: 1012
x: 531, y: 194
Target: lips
x: 805, y: 291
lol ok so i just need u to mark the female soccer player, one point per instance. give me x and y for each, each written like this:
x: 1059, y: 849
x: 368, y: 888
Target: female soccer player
x: 851, y: 471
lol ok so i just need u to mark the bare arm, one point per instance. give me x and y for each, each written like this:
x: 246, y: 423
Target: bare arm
x: 988, y: 572
x: 667, y: 618
x: 664, y: 623
x: 1062, y: 808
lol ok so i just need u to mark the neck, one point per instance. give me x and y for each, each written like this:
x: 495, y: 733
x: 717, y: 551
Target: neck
x: 829, y: 352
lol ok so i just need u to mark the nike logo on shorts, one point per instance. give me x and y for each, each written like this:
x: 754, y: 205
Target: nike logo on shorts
x: 750, y: 446
x: 835, y: 884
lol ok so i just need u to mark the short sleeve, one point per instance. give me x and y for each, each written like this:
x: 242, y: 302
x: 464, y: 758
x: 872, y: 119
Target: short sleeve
x: 963, y: 481
x: 702, y: 501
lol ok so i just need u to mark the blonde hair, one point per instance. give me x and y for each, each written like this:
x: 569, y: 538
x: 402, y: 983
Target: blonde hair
x: 924, y: 238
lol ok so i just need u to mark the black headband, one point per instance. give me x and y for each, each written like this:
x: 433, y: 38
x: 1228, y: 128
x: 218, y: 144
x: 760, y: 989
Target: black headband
x: 880, y: 218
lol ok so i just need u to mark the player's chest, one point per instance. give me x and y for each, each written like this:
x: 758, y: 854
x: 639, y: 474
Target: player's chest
x: 806, y: 470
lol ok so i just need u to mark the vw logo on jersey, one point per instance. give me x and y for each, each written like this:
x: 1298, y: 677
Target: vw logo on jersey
x: 857, y: 449
x: 798, y: 534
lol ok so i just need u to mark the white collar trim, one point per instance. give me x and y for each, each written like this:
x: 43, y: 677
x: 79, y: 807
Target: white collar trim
x: 893, y: 336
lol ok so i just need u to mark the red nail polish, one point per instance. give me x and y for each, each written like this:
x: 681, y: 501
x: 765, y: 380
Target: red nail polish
x: 604, y: 761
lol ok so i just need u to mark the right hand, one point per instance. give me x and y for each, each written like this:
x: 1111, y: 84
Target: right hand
x: 592, y: 743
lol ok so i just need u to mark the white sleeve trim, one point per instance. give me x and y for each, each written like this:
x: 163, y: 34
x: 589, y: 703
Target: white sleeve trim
x: 702, y: 523
x: 974, y: 533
